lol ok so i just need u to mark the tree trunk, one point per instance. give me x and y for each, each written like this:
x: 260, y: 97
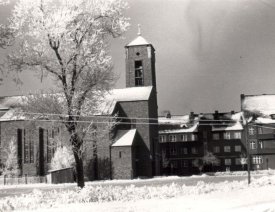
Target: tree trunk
x: 79, y: 170
x: 77, y: 144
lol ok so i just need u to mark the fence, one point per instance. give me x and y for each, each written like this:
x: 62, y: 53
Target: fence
x: 25, y: 179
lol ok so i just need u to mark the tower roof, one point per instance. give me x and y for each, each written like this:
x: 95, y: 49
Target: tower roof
x: 139, y: 40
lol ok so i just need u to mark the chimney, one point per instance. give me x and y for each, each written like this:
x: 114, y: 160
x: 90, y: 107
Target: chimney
x: 168, y: 115
x: 191, y: 116
x: 232, y: 112
x: 216, y: 115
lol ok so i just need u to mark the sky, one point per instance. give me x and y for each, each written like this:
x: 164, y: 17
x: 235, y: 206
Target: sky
x: 208, y: 52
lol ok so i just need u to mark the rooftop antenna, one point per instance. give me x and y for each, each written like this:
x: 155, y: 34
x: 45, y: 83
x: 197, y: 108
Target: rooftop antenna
x: 139, y: 30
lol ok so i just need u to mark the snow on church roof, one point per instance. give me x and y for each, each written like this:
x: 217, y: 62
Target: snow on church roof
x: 106, y: 105
x: 127, y: 139
x: 11, y: 115
x: 138, y: 41
x: 131, y: 94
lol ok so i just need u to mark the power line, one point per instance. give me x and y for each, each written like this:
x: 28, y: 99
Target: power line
x: 110, y: 122
x: 137, y: 118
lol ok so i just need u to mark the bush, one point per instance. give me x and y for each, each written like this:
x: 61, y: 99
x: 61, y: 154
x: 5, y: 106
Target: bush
x: 63, y: 158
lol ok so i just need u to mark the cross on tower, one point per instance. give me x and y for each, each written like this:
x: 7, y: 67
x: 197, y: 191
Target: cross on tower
x: 139, y: 30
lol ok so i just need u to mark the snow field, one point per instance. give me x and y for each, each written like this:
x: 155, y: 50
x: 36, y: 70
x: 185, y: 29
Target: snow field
x: 124, y: 194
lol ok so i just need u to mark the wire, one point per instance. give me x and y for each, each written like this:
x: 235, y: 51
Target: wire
x: 109, y: 122
x: 108, y: 116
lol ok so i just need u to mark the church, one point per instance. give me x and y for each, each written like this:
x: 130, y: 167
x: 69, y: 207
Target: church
x: 132, y: 151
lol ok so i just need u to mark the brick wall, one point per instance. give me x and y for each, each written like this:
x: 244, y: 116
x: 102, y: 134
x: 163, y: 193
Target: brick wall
x: 122, y: 162
x: 144, y: 147
x: 148, y: 65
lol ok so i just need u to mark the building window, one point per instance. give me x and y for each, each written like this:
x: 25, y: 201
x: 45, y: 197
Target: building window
x: 162, y: 138
x: 194, y: 137
x: 251, y: 131
x: 257, y: 160
x: 194, y: 163
x: 31, y: 149
x: 184, y: 163
x: 260, y: 144
x: 226, y: 135
x: 227, y: 162
x: 173, y: 150
x: 237, y: 135
x: 194, y: 150
x: 174, y: 164
x: 51, y: 143
x: 185, y: 151
x: 184, y: 137
x: 138, y: 73
x: 227, y: 149
x: 120, y: 154
x: 238, y: 148
x: 49, y: 155
x: 28, y: 147
x: 253, y: 144
x: 238, y: 161
x: 217, y: 162
x: 260, y: 130
x: 172, y: 138
x: 204, y: 134
x: 216, y: 149
x: 216, y: 136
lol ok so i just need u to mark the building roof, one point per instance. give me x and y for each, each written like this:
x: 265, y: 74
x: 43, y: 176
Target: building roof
x: 131, y: 94
x: 193, y: 128
x: 259, y: 104
x: 125, y: 138
x: 105, y: 106
x: 262, y: 120
x: 108, y: 103
x: 237, y: 126
x: 174, y: 119
x: 11, y: 115
x: 139, y: 40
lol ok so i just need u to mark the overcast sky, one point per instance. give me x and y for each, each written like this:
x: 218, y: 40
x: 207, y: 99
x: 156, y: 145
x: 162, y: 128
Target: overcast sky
x: 208, y: 52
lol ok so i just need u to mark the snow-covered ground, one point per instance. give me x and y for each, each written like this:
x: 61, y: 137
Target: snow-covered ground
x: 223, y: 196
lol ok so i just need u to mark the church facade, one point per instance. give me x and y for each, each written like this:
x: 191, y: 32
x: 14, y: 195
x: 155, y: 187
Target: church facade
x: 143, y: 144
x: 128, y: 151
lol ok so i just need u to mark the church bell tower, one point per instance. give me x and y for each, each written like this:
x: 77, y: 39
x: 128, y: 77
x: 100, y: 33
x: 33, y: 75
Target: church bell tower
x: 140, y: 63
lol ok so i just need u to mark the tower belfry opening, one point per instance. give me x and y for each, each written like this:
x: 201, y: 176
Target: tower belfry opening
x: 140, y: 62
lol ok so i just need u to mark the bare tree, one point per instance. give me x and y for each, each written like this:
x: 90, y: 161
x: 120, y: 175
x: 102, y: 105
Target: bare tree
x: 11, y: 166
x: 243, y: 160
x: 67, y: 40
x: 5, y: 38
x: 208, y: 159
